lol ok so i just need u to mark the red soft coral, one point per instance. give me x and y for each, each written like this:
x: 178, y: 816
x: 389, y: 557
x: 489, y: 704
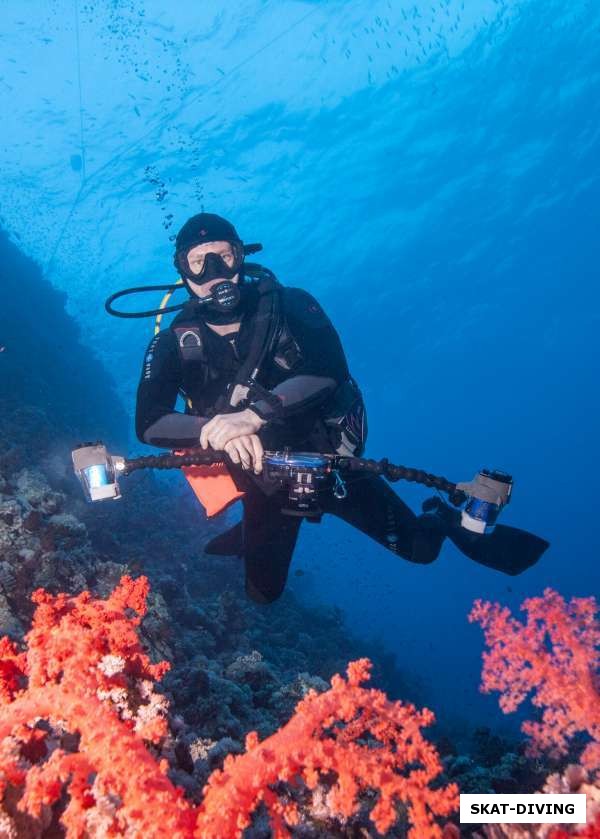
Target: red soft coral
x: 71, y: 640
x: 357, y: 733
x: 12, y: 669
x: 554, y: 657
x: 83, y: 652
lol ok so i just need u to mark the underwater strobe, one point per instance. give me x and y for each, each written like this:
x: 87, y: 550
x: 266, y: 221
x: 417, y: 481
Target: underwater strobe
x: 487, y: 494
x: 97, y: 471
x: 305, y: 476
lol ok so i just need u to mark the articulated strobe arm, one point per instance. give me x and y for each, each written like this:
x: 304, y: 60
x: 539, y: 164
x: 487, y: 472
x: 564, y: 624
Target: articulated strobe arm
x: 390, y: 471
x: 305, y: 474
x: 192, y: 457
x: 403, y: 473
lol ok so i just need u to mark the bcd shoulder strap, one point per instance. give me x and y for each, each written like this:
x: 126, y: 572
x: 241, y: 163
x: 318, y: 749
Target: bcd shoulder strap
x: 190, y: 347
x: 266, y: 326
x: 190, y: 343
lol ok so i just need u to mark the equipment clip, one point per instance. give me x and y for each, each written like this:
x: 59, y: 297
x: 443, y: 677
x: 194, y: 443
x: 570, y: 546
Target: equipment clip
x: 340, y: 490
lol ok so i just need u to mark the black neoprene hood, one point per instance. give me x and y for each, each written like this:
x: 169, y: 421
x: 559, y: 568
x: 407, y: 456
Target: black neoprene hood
x: 202, y: 228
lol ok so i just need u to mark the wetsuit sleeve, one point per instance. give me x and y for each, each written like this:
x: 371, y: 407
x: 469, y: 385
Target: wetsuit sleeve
x: 323, y: 367
x: 156, y: 421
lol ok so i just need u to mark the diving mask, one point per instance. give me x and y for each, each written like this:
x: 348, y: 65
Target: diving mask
x: 201, y: 266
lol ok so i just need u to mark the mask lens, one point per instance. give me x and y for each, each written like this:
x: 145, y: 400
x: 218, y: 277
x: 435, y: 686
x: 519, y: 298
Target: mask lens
x: 195, y: 262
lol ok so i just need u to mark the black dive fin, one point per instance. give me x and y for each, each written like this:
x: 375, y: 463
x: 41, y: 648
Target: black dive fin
x: 506, y: 549
x: 229, y: 543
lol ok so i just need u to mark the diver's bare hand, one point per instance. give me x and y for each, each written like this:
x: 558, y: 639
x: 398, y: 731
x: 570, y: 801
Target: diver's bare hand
x: 223, y: 428
x: 246, y: 450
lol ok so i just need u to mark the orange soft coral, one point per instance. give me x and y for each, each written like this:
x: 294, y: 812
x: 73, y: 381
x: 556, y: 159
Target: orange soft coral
x: 354, y: 732
x: 66, y: 727
x: 554, y: 657
x: 69, y: 688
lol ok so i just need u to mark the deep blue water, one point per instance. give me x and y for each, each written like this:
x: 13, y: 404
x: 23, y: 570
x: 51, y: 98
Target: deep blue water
x: 430, y: 170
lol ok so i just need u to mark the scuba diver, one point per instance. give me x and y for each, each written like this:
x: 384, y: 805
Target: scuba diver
x: 261, y: 367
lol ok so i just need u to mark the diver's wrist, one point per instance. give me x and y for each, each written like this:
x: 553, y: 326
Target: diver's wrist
x: 255, y: 417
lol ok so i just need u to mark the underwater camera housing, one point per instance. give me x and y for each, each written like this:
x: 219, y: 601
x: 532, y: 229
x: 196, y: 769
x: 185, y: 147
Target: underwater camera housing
x: 304, y: 475
x: 97, y: 471
x: 487, y: 494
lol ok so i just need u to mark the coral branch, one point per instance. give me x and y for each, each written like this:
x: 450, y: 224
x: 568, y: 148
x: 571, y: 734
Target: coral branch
x: 553, y: 658
x: 323, y: 736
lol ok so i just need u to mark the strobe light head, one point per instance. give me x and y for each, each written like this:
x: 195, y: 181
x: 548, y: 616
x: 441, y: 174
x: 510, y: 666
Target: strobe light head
x: 97, y: 471
x: 487, y: 494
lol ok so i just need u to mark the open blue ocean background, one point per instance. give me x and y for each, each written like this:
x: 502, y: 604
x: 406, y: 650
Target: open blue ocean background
x: 430, y: 171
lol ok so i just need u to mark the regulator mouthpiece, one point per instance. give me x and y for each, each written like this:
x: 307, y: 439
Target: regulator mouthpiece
x: 224, y: 297
x: 97, y: 471
x: 487, y: 494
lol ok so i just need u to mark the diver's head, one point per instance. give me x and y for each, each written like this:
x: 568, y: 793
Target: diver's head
x: 209, y: 256
x: 207, y: 250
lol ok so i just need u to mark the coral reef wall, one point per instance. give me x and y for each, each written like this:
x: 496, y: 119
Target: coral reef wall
x: 53, y: 390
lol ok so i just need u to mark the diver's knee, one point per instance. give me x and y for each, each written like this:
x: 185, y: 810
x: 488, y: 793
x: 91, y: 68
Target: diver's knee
x: 263, y: 594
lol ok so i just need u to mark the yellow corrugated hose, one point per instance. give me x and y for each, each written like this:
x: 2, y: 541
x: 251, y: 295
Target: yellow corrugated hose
x: 163, y: 304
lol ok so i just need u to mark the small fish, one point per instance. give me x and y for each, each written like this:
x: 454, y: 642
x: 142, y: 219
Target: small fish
x: 2, y: 347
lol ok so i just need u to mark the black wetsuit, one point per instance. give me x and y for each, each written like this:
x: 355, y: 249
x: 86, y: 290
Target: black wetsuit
x: 306, y: 368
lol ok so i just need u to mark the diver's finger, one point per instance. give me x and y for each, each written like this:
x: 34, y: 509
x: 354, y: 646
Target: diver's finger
x: 203, y: 441
x: 214, y: 437
x: 206, y: 432
x: 245, y: 450
x: 217, y: 426
x: 258, y: 451
x: 241, y: 454
x: 232, y: 451
x: 229, y: 432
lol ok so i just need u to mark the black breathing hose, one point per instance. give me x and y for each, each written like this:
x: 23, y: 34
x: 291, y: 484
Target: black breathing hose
x: 250, y: 269
x: 137, y: 290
